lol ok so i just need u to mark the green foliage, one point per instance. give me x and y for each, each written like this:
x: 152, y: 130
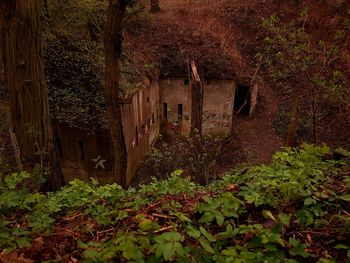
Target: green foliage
x: 74, y: 61
x: 260, y: 215
x: 74, y: 76
x: 303, y: 66
x: 298, y: 65
x: 225, y: 205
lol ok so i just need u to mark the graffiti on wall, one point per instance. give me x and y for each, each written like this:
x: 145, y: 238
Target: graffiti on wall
x: 216, y: 120
x: 99, y: 162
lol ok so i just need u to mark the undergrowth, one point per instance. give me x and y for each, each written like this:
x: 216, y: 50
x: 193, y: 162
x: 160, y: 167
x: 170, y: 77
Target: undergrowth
x: 295, y: 210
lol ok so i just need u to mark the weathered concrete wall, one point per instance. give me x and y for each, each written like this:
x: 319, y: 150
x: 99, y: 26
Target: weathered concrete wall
x: 218, y: 99
x: 175, y: 91
x: 141, y: 125
x: 86, y: 155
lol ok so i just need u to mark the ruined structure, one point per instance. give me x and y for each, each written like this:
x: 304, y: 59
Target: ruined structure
x: 167, y: 102
x: 218, y: 100
x: 162, y: 104
x: 86, y: 155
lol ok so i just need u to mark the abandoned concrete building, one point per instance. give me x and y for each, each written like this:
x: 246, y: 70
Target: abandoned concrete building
x: 163, y: 103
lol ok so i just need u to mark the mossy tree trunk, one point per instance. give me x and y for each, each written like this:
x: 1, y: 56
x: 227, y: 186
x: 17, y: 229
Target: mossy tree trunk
x: 154, y: 6
x: 113, y: 42
x: 20, y: 22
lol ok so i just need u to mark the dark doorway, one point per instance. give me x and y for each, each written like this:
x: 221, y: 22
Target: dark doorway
x: 242, y: 99
x: 179, y: 111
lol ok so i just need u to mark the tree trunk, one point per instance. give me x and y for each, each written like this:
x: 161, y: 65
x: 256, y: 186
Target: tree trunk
x: 155, y: 6
x: 113, y: 42
x: 21, y: 26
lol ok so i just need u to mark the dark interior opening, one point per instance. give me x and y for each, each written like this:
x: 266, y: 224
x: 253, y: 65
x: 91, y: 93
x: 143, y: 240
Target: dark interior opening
x: 81, y: 150
x: 241, y: 95
x: 60, y: 149
x: 179, y: 111
x: 165, y: 111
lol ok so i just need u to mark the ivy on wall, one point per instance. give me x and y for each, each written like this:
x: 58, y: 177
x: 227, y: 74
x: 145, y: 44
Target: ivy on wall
x: 75, y: 77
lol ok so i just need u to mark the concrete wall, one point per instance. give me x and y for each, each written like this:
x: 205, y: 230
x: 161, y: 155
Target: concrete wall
x: 175, y: 91
x: 141, y: 123
x: 218, y: 99
x: 85, y: 155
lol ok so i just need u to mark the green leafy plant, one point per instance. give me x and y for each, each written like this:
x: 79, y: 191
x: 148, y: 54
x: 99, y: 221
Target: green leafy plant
x: 274, y: 213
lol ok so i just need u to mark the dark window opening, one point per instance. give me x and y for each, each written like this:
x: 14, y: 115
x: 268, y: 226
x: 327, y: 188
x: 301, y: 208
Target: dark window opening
x: 186, y: 82
x: 165, y: 111
x: 81, y: 150
x: 60, y: 149
x: 179, y: 111
x: 152, y: 117
x: 136, y: 137
x: 242, y: 99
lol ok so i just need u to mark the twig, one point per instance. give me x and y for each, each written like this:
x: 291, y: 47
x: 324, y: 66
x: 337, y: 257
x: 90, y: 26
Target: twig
x: 70, y: 218
x: 69, y: 231
x: 345, y: 212
x: 163, y: 229
x: 313, y: 232
x: 163, y: 216
x: 105, y: 231
x: 151, y: 206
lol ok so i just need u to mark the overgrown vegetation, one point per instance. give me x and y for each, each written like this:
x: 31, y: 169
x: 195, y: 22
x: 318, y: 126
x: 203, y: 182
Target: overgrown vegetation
x: 75, y: 77
x: 74, y: 61
x: 295, y: 210
x: 200, y: 164
x: 306, y: 71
